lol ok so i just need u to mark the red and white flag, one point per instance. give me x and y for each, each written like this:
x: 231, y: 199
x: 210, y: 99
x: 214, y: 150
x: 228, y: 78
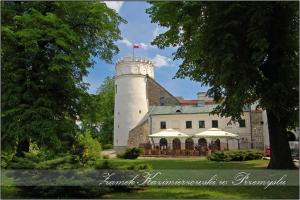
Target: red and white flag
x: 136, y: 46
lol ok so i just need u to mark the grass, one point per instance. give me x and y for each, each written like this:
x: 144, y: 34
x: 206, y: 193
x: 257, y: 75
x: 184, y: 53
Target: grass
x: 209, y: 193
x: 167, y: 192
x: 226, y: 192
x: 190, y: 163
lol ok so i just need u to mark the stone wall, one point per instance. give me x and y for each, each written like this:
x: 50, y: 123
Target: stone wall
x: 257, y: 129
x: 139, y: 134
x: 158, y: 95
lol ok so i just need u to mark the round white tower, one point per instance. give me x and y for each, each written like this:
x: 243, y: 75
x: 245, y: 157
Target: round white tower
x: 131, y: 103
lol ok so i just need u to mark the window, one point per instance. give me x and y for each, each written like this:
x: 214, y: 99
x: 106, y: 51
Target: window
x: 214, y: 123
x: 189, y: 144
x: 242, y: 123
x: 162, y: 101
x: 201, y: 124
x: 188, y: 124
x: 140, y: 111
x: 116, y: 88
x: 163, y: 125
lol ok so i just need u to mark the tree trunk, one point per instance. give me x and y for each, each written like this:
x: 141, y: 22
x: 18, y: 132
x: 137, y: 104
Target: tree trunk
x: 280, y: 149
x: 23, y: 146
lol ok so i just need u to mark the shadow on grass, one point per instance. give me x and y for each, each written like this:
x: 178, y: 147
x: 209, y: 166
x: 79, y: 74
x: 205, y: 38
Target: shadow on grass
x: 209, y: 193
x: 192, y: 164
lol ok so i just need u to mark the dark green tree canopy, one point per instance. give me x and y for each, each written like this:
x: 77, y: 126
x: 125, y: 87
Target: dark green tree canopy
x: 98, y: 112
x: 46, y: 50
x: 246, y: 51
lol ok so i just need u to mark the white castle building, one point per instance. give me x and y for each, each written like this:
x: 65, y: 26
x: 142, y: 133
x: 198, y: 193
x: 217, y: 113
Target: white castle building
x: 131, y: 103
x: 146, y: 114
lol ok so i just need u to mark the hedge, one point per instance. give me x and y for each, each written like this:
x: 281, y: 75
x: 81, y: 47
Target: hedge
x: 241, y: 155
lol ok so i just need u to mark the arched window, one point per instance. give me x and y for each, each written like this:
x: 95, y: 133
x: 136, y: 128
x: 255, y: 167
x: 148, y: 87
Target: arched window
x: 202, y: 142
x: 217, y: 144
x: 189, y: 144
x: 176, y: 144
x: 163, y: 143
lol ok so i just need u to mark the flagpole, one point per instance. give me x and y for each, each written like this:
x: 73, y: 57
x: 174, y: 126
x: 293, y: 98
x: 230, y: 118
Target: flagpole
x: 132, y: 52
x: 133, y: 47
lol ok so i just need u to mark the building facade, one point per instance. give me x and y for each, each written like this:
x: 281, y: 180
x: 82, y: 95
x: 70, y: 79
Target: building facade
x: 143, y: 107
x: 131, y: 103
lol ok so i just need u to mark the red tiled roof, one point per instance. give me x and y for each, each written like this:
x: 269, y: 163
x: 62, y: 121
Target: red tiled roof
x: 188, y: 102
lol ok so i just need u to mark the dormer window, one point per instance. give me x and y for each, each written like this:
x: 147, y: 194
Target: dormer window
x: 162, y: 101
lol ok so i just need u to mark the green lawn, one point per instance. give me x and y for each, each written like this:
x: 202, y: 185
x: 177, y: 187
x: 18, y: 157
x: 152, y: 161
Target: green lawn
x: 209, y: 193
x: 226, y: 192
x: 190, y: 163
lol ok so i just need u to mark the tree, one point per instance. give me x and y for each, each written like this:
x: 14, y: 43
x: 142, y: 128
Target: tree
x: 107, y: 102
x: 99, y: 112
x: 46, y: 50
x: 246, y: 52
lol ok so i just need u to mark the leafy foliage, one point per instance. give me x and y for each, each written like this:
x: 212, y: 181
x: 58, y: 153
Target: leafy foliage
x: 46, y: 50
x: 131, y: 153
x: 106, y: 95
x: 241, y: 155
x: 247, y: 53
x: 6, y: 157
x: 98, y: 114
x: 104, y: 165
x: 140, y: 167
x: 41, y: 161
x: 86, y: 148
x: 231, y: 46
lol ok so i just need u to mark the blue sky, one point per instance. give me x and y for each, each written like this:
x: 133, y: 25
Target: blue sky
x: 140, y: 30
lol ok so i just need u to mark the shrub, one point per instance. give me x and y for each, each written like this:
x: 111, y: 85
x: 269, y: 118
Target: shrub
x: 33, y: 161
x: 140, y: 167
x: 39, y: 161
x: 88, y: 153
x: 22, y: 163
x: 64, y: 162
x: 241, y: 155
x: 107, y: 146
x: 86, y: 148
x: 104, y: 165
x: 6, y: 157
x: 131, y: 153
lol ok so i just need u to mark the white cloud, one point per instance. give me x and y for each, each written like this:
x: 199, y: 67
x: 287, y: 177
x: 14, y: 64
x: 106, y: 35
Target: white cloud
x: 126, y: 42
x: 130, y: 44
x: 161, y: 61
x: 156, y: 31
x: 143, y: 45
x: 116, y: 5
